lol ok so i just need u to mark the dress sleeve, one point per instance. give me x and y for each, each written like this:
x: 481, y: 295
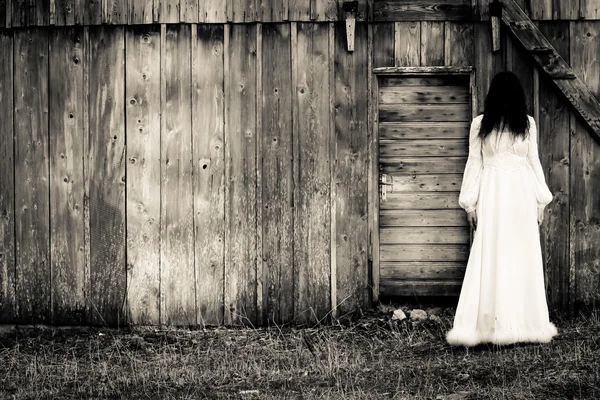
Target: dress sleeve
x: 469, y: 191
x: 542, y: 192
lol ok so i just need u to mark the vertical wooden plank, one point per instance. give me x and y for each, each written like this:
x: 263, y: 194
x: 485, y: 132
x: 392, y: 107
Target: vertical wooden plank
x: 7, y: 184
x: 64, y: 12
x: 19, y: 13
x: 31, y: 170
x: 66, y: 91
x: 432, y: 43
x: 240, y: 174
x: 299, y: 10
x: 459, y: 44
x: 243, y: 10
x: 554, y: 139
x: 209, y: 172
x: 565, y: 9
x: 585, y: 171
x: 373, y: 174
x: 106, y: 175
x: 520, y: 63
x: 312, y: 239
x: 114, y: 12
x: 277, y: 185
x: 277, y: 179
x: 483, y: 6
x: 351, y: 171
x: 327, y: 10
x: 274, y: 10
x: 541, y: 9
x: 39, y: 12
x: 166, y: 11
x: 261, y: 271
x: 140, y: 11
x: 487, y: 64
x: 142, y: 92
x: 188, y: 10
x: 384, y: 36
x: 212, y: 11
x: 177, y: 275
x: 332, y: 167
x: 408, y: 44
x: 589, y: 9
x: 92, y: 12
x: 4, y: 9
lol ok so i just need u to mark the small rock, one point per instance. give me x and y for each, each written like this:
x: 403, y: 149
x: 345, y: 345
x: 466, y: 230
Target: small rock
x: 398, y: 315
x: 435, y: 319
x: 435, y: 311
x: 418, y: 315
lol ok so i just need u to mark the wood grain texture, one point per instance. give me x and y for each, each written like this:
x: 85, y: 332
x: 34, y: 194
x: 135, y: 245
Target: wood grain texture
x: 432, y: 43
x: 114, y: 12
x: 5, y: 13
x: 417, y: 78
x: 142, y: 94
x: 424, y: 94
x: 351, y: 171
x: 420, y: 200
x: 312, y: 217
x: 188, y: 10
x: 487, y: 64
x: 589, y: 9
x: 426, y: 182
x: 459, y: 44
x: 520, y: 63
x: 423, y: 10
x: 422, y: 165
x: 274, y: 10
x: 423, y: 130
x: 424, y: 235
x: 585, y: 172
x: 177, y: 270
x: 242, y: 10
x: 565, y: 10
x: 423, y: 271
x: 299, y: 10
x: 441, y: 147
x: 400, y: 217
x: 140, y: 11
x: 407, y: 44
x: 541, y: 9
x: 93, y: 12
x: 32, y: 203
x: 7, y: 184
x: 212, y: 11
x: 106, y: 176
x: 241, y: 253
x: 209, y: 171
x: 424, y: 252
x: 424, y: 112
x: 383, y: 52
x: 68, y: 12
x: 67, y: 130
x: 418, y: 288
x: 554, y: 141
x: 166, y: 11
x: 277, y: 174
x: 327, y: 10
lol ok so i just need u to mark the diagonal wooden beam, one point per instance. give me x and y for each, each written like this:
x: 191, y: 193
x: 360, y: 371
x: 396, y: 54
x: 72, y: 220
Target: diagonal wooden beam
x: 548, y: 59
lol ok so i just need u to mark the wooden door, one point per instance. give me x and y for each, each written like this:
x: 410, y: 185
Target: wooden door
x: 423, y: 133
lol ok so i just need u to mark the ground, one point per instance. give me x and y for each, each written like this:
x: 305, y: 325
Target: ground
x: 374, y: 357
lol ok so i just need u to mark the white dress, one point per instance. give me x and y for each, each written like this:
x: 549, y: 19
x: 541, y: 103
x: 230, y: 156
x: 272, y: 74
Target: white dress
x: 503, y: 298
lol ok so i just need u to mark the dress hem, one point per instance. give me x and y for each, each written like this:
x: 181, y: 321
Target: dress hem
x: 468, y: 338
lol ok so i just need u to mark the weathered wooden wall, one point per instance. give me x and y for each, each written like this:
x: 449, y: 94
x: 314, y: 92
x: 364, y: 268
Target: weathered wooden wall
x: 122, y: 12
x: 183, y: 174
x: 211, y: 173
x: 570, y: 155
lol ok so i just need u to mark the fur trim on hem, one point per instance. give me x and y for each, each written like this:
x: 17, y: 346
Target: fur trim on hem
x: 459, y: 337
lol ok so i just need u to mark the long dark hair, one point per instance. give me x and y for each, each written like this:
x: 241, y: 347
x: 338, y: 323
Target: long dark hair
x: 505, y: 105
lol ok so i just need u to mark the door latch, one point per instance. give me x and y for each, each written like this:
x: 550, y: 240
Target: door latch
x: 385, y: 180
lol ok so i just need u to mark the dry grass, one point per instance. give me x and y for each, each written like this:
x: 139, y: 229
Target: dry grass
x: 372, y: 358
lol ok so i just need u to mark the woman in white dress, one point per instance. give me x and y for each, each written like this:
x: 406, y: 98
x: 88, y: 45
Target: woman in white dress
x: 503, y: 299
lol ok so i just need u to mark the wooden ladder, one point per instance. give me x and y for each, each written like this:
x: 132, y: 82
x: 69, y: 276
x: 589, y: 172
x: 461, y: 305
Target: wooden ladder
x: 548, y: 59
